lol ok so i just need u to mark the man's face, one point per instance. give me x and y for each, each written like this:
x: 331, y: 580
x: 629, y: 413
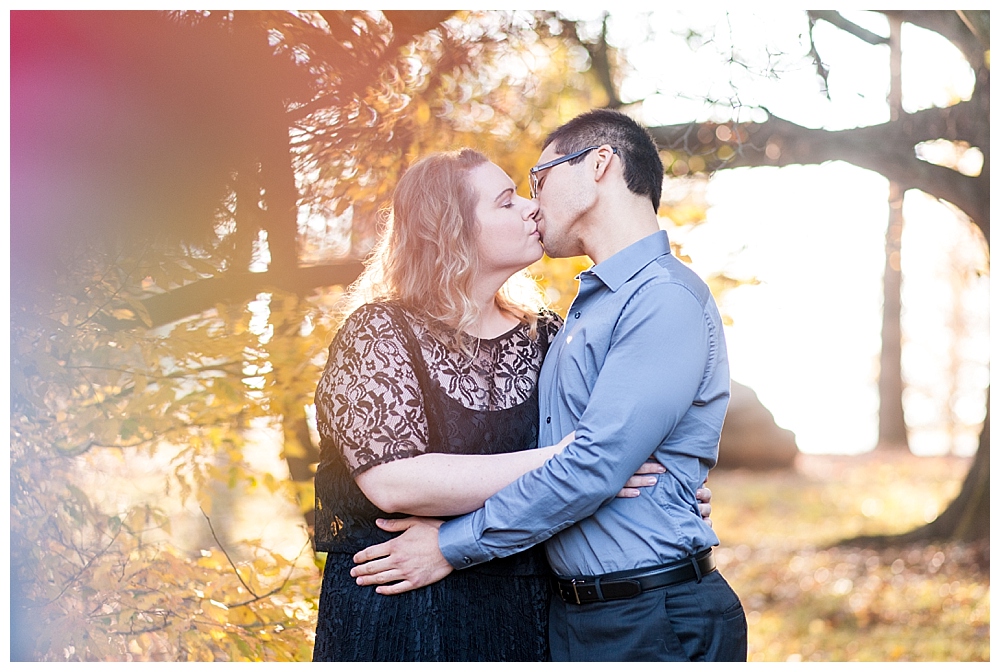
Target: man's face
x: 563, y: 196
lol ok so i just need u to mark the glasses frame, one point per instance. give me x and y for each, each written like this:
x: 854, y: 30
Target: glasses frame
x: 535, y: 182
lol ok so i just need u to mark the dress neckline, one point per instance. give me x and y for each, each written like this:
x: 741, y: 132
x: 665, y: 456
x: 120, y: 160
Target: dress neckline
x: 505, y: 334
x: 441, y: 326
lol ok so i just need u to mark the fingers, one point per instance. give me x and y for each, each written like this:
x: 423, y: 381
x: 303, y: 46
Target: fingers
x: 373, y: 567
x: 380, y: 578
x: 396, y: 524
x: 651, y: 468
x: 372, y: 553
x: 703, y: 495
x: 396, y: 588
x: 640, y: 481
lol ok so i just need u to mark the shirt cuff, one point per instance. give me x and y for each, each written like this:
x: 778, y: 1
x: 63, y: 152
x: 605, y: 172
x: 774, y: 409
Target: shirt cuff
x: 458, y: 543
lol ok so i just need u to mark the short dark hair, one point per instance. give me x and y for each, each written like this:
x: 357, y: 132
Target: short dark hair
x: 636, y: 147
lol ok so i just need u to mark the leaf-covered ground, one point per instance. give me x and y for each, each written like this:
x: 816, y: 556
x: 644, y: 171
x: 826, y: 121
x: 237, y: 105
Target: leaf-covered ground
x: 809, y: 598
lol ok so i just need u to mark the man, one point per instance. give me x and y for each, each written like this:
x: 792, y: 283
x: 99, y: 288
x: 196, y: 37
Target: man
x: 640, y: 368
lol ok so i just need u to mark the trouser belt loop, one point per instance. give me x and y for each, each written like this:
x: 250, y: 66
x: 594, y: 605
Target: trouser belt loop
x: 597, y: 586
x: 697, y: 568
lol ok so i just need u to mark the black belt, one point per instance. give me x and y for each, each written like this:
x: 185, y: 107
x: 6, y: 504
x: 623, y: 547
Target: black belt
x: 623, y: 585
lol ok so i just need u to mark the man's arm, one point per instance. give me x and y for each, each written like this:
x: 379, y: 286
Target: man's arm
x: 413, y: 559
x: 650, y: 376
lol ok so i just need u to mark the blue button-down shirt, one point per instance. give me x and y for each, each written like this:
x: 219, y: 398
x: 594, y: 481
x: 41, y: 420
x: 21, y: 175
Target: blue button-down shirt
x: 639, y: 369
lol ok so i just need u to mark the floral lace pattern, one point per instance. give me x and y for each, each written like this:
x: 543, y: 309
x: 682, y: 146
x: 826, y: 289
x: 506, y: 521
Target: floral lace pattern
x: 369, y: 399
x: 391, y: 390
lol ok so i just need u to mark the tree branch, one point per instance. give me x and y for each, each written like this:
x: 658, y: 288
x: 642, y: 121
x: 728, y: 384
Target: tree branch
x: 835, y: 19
x: 949, y: 24
x: 600, y: 59
x: 235, y: 287
x: 778, y: 142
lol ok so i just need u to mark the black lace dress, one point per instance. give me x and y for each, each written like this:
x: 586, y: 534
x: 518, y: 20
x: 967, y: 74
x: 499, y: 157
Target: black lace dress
x: 393, y: 390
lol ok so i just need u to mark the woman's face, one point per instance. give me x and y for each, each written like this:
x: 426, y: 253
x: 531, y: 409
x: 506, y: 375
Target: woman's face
x: 508, y: 236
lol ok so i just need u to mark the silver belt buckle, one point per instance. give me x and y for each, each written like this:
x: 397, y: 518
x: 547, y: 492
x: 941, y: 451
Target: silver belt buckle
x: 575, y: 593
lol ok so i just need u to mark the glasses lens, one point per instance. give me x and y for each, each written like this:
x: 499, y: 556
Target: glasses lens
x: 533, y: 173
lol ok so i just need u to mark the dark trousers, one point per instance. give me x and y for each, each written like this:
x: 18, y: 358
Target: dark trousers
x: 690, y: 621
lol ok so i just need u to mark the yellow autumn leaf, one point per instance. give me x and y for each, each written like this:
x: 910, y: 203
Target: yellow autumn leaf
x: 242, y: 616
x: 216, y: 611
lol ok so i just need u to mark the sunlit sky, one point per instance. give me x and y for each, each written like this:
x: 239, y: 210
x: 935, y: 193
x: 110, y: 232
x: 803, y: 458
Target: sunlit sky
x: 807, y: 338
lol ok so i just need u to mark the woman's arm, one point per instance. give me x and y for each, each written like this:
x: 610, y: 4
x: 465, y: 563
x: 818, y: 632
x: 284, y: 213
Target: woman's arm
x: 441, y: 484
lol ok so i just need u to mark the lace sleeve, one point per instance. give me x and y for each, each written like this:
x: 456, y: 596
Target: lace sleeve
x: 549, y: 323
x: 368, y: 403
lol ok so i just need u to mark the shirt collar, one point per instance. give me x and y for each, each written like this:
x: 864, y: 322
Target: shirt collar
x: 617, y: 269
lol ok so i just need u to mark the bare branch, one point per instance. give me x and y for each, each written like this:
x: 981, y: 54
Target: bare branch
x: 234, y: 287
x: 226, y: 553
x: 778, y: 142
x: 835, y: 19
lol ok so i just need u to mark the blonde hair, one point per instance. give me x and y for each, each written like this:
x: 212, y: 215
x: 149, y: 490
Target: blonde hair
x: 426, y: 257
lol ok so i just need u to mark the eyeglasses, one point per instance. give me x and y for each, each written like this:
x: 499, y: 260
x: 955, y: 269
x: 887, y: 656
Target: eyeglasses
x: 533, y: 173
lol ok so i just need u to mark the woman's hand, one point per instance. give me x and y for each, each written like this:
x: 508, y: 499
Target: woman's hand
x: 704, y: 497
x: 642, y: 478
x: 646, y: 476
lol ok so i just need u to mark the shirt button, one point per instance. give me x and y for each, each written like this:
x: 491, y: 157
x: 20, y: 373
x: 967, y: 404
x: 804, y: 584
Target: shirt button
x: 548, y: 420
x: 467, y: 560
x: 577, y: 314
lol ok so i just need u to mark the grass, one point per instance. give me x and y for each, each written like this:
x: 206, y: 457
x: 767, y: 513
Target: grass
x: 809, y: 598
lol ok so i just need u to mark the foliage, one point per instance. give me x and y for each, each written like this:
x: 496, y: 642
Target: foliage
x: 102, y: 575
x: 100, y: 381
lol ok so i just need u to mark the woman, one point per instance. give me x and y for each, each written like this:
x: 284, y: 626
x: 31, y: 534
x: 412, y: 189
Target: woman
x: 428, y: 406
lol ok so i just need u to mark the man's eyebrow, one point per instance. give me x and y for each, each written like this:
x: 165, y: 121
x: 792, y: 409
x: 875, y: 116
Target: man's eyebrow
x: 508, y: 190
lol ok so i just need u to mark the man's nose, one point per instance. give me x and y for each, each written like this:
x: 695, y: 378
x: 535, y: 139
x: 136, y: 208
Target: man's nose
x: 530, y: 210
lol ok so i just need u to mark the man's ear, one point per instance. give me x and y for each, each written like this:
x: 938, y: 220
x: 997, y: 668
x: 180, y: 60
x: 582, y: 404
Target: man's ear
x: 604, y: 155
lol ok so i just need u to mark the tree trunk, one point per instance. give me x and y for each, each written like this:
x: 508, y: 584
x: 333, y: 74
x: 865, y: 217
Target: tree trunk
x: 891, y: 425
x: 967, y: 518
x: 300, y: 456
x: 891, y: 422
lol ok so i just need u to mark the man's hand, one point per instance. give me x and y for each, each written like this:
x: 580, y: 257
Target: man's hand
x: 704, y: 497
x: 413, y: 558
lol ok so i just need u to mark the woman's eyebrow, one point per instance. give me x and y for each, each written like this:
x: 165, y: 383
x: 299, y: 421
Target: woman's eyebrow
x: 508, y: 190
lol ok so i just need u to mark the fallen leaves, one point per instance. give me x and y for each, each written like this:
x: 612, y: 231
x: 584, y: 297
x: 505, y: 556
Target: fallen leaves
x: 809, y: 599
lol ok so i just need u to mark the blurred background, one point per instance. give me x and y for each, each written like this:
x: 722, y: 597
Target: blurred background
x: 191, y: 191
